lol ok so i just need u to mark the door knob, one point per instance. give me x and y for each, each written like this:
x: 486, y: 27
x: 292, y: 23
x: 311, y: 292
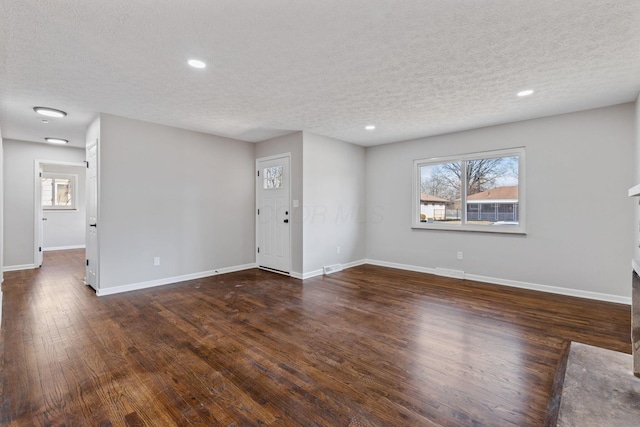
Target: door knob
x: 286, y: 221
x: 93, y: 225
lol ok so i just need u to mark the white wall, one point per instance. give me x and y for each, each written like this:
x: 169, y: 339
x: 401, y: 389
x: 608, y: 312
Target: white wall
x: 291, y: 143
x: 183, y: 196
x: 334, y: 202
x: 576, y: 163
x: 65, y: 229
x: 19, y: 195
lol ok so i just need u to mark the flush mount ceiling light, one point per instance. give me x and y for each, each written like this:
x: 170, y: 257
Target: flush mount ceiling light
x: 370, y: 127
x: 196, y: 63
x: 525, y: 92
x: 49, y: 112
x: 56, y: 140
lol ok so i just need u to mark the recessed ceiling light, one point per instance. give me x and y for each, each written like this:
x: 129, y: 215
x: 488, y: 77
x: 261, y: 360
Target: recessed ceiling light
x: 49, y: 112
x: 525, y: 92
x: 56, y: 140
x: 196, y: 63
x: 370, y: 127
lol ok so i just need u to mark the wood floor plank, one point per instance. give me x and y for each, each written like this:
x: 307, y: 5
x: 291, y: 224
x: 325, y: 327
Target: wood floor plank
x: 368, y: 346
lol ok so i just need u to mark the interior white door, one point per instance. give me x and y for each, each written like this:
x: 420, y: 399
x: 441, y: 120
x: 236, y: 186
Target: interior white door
x: 273, y: 222
x: 40, y: 220
x: 91, y: 275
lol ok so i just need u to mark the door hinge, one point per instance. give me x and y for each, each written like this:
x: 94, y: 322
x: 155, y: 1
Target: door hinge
x: 258, y: 173
x: 258, y: 211
x: 40, y: 249
x: 258, y: 249
x: 87, y: 164
x: 40, y: 174
x: 87, y: 263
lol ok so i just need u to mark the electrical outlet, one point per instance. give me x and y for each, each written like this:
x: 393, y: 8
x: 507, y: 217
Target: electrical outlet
x: 156, y: 261
x: 459, y: 255
x: 338, y: 250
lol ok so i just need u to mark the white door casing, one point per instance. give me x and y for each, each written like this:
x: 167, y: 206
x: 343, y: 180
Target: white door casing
x: 40, y: 219
x: 273, y: 220
x: 91, y: 275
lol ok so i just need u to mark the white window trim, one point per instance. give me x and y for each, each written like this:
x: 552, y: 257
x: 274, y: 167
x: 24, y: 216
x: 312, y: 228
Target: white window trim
x: 504, y: 229
x: 74, y: 189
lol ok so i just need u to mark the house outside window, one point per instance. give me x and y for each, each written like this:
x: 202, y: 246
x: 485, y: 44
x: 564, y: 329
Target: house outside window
x: 498, y: 204
x: 472, y: 192
x: 432, y: 208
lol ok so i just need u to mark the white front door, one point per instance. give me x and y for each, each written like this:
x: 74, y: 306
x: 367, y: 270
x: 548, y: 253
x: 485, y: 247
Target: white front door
x: 91, y: 275
x: 273, y: 222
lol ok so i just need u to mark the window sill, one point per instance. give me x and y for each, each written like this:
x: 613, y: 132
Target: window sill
x: 493, y: 229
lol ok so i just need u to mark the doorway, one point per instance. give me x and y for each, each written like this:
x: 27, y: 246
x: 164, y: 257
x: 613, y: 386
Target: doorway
x: 60, y: 207
x: 273, y: 215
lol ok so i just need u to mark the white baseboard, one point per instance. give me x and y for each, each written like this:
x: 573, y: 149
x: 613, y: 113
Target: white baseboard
x: 63, y: 248
x: 513, y: 283
x: 169, y: 280
x: 354, y: 264
x: 19, y: 267
x: 311, y: 274
x: 303, y: 276
x: 401, y: 266
x: 551, y: 289
x: 319, y: 272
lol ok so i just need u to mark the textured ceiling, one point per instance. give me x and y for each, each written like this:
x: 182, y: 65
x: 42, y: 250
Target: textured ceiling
x: 411, y: 67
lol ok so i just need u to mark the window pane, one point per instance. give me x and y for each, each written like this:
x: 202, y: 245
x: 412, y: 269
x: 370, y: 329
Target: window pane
x: 62, y: 190
x: 440, y: 191
x: 57, y: 191
x: 273, y: 178
x: 492, y: 191
x: 475, y: 191
x: 47, y: 192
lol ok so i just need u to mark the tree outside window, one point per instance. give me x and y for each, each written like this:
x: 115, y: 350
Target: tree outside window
x: 473, y: 190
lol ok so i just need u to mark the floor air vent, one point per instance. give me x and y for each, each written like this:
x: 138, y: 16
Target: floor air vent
x: 332, y: 268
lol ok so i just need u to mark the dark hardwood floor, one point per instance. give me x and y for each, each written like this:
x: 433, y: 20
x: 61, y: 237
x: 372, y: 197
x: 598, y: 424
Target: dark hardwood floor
x: 369, y: 346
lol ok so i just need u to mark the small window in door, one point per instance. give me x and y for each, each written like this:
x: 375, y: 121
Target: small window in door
x: 273, y: 178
